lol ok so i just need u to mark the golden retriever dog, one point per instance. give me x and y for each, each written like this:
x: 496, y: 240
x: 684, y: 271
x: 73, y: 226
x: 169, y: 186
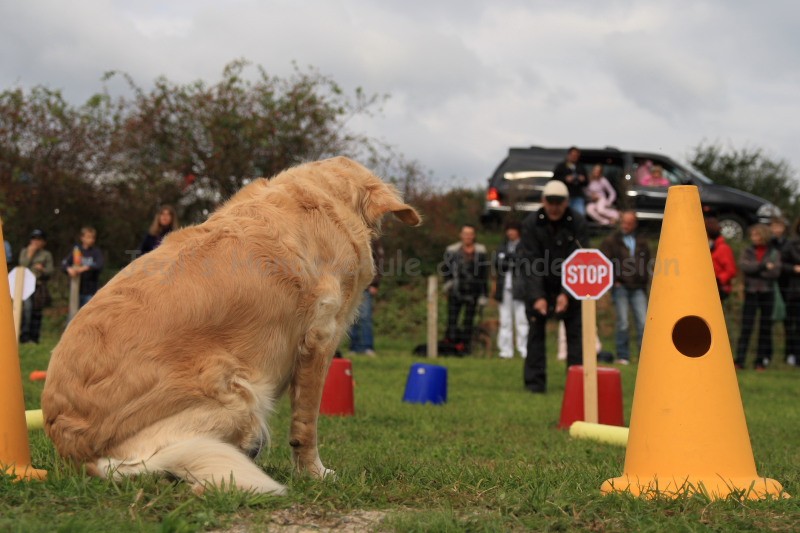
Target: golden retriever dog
x: 175, y: 364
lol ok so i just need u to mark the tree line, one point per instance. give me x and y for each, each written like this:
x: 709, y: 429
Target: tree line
x: 752, y: 170
x: 111, y: 161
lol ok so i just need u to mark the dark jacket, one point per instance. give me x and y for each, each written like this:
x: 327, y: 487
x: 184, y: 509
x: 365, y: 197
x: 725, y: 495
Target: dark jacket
x: 505, y: 261
x: 790, y: 256
x: 377, y: 261
x: 93, y: 258
x: 469, y: 277
x: 544, y: 247
x: 576, y: 188
x: 151, y: 242
x: 783, y: 278
x: 757, y: 277
x: 632, y: 272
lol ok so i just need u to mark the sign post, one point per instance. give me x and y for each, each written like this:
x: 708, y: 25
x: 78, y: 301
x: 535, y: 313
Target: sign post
x: 433, y: 317
x: 74, y: 285
x: 22, y: 284
x: 587, y: 275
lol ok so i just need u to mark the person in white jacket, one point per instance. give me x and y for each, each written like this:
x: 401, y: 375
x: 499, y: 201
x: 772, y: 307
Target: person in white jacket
x: 510, y: 298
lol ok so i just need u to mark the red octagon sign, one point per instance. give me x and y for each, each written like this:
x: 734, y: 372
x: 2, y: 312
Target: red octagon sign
x: 587, y: 274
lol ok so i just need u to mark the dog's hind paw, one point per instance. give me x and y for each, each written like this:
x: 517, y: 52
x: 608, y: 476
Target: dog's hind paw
x: 277, y: 490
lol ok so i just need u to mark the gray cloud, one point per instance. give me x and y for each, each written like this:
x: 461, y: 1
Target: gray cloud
x: 467, y: 79
x: 663, y: 79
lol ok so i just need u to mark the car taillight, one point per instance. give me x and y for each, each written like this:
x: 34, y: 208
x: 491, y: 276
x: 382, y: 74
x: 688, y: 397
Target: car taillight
x: 492, y: 195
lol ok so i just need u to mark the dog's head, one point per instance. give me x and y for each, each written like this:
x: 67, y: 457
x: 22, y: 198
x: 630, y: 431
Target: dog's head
x: 368, y: 195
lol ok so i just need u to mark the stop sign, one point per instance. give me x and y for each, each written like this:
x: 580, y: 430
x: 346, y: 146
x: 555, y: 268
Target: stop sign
x: 587, y: 274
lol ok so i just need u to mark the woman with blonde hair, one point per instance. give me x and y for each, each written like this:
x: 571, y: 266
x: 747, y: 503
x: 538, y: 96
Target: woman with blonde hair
x: 164, y: 221
x: 761, y: 265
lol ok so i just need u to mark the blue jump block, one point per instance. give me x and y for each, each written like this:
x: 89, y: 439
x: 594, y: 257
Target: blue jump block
x: 426, y: 383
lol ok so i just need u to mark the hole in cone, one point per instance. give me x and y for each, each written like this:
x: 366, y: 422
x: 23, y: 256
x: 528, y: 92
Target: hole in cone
x: 692, y: 336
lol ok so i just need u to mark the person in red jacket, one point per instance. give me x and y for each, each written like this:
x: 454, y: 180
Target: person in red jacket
x: 722, y: 257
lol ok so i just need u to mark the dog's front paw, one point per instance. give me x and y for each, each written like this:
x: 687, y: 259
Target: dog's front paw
x: 327, y: 473
x: 316, y: 469
x: 320, y: 472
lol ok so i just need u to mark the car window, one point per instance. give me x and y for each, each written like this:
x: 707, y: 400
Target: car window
x: 697, y: 175
x: 525, y: 174
x: 676, y: 175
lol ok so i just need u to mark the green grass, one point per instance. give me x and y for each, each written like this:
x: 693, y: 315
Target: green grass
x: 491, y: 459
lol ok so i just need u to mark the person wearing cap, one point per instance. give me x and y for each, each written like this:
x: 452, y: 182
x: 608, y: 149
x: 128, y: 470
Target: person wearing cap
x: 549, y: 236
x: 40, y: 262
x: 573, y: 175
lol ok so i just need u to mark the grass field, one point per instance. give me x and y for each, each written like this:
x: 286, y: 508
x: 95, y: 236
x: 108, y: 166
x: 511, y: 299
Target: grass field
x: 491, y: 459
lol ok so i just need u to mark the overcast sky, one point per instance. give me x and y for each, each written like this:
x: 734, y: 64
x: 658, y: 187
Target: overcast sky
x: 467, y: 79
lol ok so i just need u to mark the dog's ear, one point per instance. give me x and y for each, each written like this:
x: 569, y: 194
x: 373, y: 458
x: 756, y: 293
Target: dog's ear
x: 406, y: 214
x: 385, y: 199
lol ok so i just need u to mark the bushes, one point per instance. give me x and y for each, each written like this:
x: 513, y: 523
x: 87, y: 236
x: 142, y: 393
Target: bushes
x: 443, y: 214
x: 112, y: 161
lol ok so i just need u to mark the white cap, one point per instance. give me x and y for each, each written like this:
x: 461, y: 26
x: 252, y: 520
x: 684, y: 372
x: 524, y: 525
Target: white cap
x: 555, y: 188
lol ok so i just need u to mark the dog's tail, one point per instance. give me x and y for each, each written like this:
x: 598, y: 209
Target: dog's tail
x: 201, y: 461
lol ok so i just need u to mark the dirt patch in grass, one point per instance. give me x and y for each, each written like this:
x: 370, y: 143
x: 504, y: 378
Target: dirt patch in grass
x: 299, y: 520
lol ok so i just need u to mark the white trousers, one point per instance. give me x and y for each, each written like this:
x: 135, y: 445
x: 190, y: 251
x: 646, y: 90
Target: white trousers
x: 562, y: 342
x: 601, y: 211
x: 512, y: 317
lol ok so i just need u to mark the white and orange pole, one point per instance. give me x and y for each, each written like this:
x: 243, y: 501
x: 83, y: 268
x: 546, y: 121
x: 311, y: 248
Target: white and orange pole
x: 15, y: 455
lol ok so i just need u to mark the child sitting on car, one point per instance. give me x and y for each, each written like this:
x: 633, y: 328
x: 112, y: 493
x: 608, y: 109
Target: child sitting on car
x: 601, y: 198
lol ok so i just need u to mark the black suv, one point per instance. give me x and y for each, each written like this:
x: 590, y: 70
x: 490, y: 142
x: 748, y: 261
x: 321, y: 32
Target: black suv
x: 517, y: 184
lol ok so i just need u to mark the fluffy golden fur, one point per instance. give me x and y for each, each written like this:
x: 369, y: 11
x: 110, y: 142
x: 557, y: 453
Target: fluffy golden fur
x: 176, y: 363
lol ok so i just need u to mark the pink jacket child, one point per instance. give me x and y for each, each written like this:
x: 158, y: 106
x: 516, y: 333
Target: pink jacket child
x: 601, y: 198
x: 654, y: 178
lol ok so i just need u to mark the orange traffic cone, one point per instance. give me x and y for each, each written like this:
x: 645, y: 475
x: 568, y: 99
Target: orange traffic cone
x: 15, y: 455
x: 687, y: 431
